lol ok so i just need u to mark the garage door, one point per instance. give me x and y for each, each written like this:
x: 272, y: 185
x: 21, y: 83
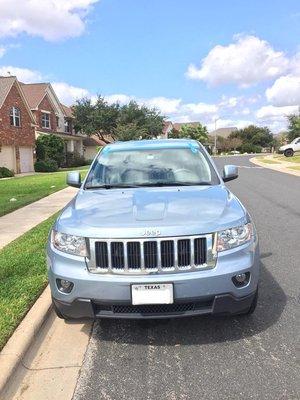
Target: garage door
x: 7, y: 157
x: 26, y: 159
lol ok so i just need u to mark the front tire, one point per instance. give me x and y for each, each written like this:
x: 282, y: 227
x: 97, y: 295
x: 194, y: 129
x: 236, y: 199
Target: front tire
x: 289, y: 152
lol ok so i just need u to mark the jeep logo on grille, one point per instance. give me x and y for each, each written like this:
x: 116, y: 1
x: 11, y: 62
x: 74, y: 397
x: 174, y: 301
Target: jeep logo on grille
x: 151, y: 232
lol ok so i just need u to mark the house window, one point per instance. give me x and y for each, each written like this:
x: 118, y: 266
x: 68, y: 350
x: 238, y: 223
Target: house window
x: 67, y: 126
x: 46, y: 120
x: 15, y: 116
x: 57, y: 121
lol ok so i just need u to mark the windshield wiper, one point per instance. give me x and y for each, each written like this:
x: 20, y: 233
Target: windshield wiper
x: 148, y: 184
x: 109, y: 186
x: 160, y: 184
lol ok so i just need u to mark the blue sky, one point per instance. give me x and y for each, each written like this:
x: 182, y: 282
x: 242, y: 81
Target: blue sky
x: 235, y: 61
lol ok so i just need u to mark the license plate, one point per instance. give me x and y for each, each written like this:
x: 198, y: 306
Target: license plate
x: 152, y: 293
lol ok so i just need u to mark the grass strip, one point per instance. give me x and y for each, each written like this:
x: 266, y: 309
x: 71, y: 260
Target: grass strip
x: 23, y: 276
x: 267, y: 161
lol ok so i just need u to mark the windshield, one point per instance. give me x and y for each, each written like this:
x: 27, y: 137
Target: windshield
x: 146, y: 167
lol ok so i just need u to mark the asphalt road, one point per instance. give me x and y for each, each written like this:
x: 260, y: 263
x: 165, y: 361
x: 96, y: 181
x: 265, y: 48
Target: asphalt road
x: 216, y: 358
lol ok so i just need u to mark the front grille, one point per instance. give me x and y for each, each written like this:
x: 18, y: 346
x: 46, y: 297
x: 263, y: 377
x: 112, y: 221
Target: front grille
x: 151, y: 255
x: 153, y: 309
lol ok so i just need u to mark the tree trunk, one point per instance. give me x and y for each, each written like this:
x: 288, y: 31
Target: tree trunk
x: 101, y: 137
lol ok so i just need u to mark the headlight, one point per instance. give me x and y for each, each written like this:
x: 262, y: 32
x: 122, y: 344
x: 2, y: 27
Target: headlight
x: 69, y: 243
x: 234, y: 237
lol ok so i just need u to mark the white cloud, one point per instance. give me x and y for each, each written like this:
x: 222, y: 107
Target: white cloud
x: 68, y: 94
x: 230, y: 102
x: 118, y: 98
x: 183, y: 118
x: 245, y: 62
x: 23, y: 74
x: 201, y: 108
x: 163, y: 104
x: 245, y: 111
x: 285, y: 91
x: 228, y: 123
x: 50, y: 19
x: 268, y: 113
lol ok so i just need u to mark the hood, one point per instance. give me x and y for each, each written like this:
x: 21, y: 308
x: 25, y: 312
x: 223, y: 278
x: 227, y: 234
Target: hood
x: 174, y: 211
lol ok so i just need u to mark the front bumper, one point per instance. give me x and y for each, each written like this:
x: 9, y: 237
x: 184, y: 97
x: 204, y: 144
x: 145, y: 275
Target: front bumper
x: 109, y: 296
x: 219, y: 305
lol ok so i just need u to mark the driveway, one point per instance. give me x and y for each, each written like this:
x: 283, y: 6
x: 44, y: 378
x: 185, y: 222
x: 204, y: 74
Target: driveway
x: 215, y: 358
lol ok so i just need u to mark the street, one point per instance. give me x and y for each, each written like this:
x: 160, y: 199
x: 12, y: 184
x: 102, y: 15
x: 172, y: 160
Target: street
x: 216, y: 358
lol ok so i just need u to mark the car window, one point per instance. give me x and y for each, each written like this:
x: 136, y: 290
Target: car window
x: 141, y: 167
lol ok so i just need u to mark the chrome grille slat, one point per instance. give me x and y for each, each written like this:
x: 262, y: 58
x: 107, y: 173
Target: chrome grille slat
x: 152, y: 255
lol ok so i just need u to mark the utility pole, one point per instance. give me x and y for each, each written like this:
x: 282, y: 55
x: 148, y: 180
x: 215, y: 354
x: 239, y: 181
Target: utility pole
x: 215, y: 146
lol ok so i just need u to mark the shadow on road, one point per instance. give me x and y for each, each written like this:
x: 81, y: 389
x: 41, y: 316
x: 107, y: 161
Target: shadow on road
x: 200, y: 330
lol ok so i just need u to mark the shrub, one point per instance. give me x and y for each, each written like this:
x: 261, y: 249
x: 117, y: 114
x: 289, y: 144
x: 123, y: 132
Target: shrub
x: 75, y: 160
x: 6, y: 173
x: 46, y: 166
x: 250, y: 148
x: 50, y: 147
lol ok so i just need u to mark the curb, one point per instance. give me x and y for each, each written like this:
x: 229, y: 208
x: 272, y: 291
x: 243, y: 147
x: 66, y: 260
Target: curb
x: 15, y: 349
x: 278, y: 168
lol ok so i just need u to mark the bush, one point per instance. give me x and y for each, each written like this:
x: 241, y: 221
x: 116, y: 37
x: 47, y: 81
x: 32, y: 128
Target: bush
x: 6, y: 173
x: 75, y: 160
x: 250, y: 148
x: 50, y: 147
x: 46, y: 166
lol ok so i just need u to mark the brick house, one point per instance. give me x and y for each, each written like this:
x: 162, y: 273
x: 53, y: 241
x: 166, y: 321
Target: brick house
x: 17, y: 127
x: 52, y: 117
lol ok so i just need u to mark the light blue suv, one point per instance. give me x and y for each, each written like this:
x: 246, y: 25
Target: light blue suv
x: 153, y: 232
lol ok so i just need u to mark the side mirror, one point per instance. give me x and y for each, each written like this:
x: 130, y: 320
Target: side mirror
x: 230, y: 172
x: 74, y: 179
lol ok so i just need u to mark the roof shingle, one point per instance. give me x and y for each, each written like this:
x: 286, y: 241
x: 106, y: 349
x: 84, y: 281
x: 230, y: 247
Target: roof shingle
x: 67, y: 110
x: 34, y: 93
x: 6, y: 83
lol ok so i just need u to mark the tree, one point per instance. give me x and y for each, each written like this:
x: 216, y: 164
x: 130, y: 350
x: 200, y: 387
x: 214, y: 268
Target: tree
x: 147, y: 121
x: 254, y: 136
x: 228, y: 144
x: 127, y: 122
x: 98, y: 119
x: 50, y: 147
x: 130, y: 131
x: 293, y: 127
x: 280, y: 139
x: 196, y: 132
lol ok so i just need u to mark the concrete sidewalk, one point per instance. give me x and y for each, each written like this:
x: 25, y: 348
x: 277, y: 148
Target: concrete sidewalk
x: 20, y: 221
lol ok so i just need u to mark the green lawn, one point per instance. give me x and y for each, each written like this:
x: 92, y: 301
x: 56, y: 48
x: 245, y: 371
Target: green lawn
x: 28, y: 189
x: 267, y: 161
x: 296, y: 168
x: 294, y: 159
x: 22, y: 276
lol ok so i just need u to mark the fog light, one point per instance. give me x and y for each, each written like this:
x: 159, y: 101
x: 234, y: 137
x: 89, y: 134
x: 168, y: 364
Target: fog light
x: 241, y: 279
x: 64, y: 286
